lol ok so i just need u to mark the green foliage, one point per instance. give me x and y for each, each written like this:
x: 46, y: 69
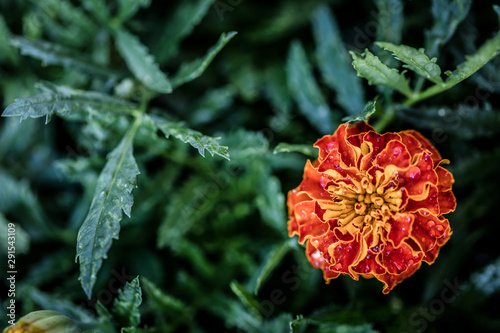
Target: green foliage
x: 371, y: 68
x: 306, y: 91
x: 126, y: 305
x: 102, y: 224
x: 208, y: 236
x: 141, y: 63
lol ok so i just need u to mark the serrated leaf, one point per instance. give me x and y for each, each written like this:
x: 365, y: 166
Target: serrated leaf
x: 284, y: 147
x: 269, y: 264
x: 162, y: 301
x: 306, y: 91
x: 126, y: 305
x: 128, y: 8
x: 415, y: 60
x: 53, y: 54
x: 247, y: 299
x: 141, y: 63
x: 177, y: 26
x: 271, y: 203
x: 192, y: 70
x: 334, y: 62
x: 371, y: 68
x: 102, y: 224
x: 473, y: 63
x: 447, y: 16
x: 67, y: 103
x: 187, y: 135
x: 369, y: 109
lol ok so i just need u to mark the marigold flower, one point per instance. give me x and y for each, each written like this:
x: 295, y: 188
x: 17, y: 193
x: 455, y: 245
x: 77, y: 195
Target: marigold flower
x: 372, y: 204
x: 43, y: 321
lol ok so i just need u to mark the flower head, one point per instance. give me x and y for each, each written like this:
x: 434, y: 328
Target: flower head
x: 43, y: 321
x: 372, y: 204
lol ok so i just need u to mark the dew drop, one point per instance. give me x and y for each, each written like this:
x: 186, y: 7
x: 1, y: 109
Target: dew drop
x: 430, y: 224
x: 413, y: 173
x: 337, y: 267
x: 397, y: 151
x: 432, y: 233
x: 330, y: 146
x: 439, y: 228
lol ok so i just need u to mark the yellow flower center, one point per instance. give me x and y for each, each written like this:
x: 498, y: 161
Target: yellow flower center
x: 362, y: 207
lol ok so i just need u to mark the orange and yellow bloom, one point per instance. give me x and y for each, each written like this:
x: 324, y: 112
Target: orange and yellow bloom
x: 372, y: 204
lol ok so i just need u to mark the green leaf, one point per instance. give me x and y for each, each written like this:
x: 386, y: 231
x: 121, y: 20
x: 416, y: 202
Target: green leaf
x: 271, y: 203
x: 247, y: 299
x: 333, y: 60
x: 472, y: 64
x: 102, y: 224
x: 161, y: 301
x: 141, y: 63
x: 177, y: 26
x: 128, y: 8
x: 390, y: 20
x: 369, y: 109
x: 98, y: 9
x: 126, y: 305
x: 269, y: 264
x: 54, y: 54
x: 67, y: 103
x: 306, y: 91
x: 6, y: 50
x: 447, y: 16
x: 188, y: 206
x: 415, y: 60
x: 187, y: 135
x: 371, y: 68
x: 192, y: 70
x: 307, y: 150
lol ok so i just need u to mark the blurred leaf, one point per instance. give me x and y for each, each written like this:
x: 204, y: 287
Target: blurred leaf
x: 178, y: 25
x: 49, y: 302
x: 102, y: 225
x: 98, y: 9
x: 141, y: 63
x: 307, y: 150
x: 66, y: 103
x: 187, y: 135
x: 447, y: 16
x: 488, y: 279
x: 370, y: 68
x: 464, y: 122
x: 390, y: 24
x: 415, y: 60
x: 344, y: 328
x: 271, y: 203
x: 334, y: 63
x: 270, y: 263
x: 370, y: 108
x: 128, y: 8
x: 188, y: 205
x: 306, y: 91
x: 192, y: 70
x: 22, y: 239
x: 247, y: 299
x: 161, y: 301
x: 52, y: 54
x: 6, y: 50
x: 126, y: 305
